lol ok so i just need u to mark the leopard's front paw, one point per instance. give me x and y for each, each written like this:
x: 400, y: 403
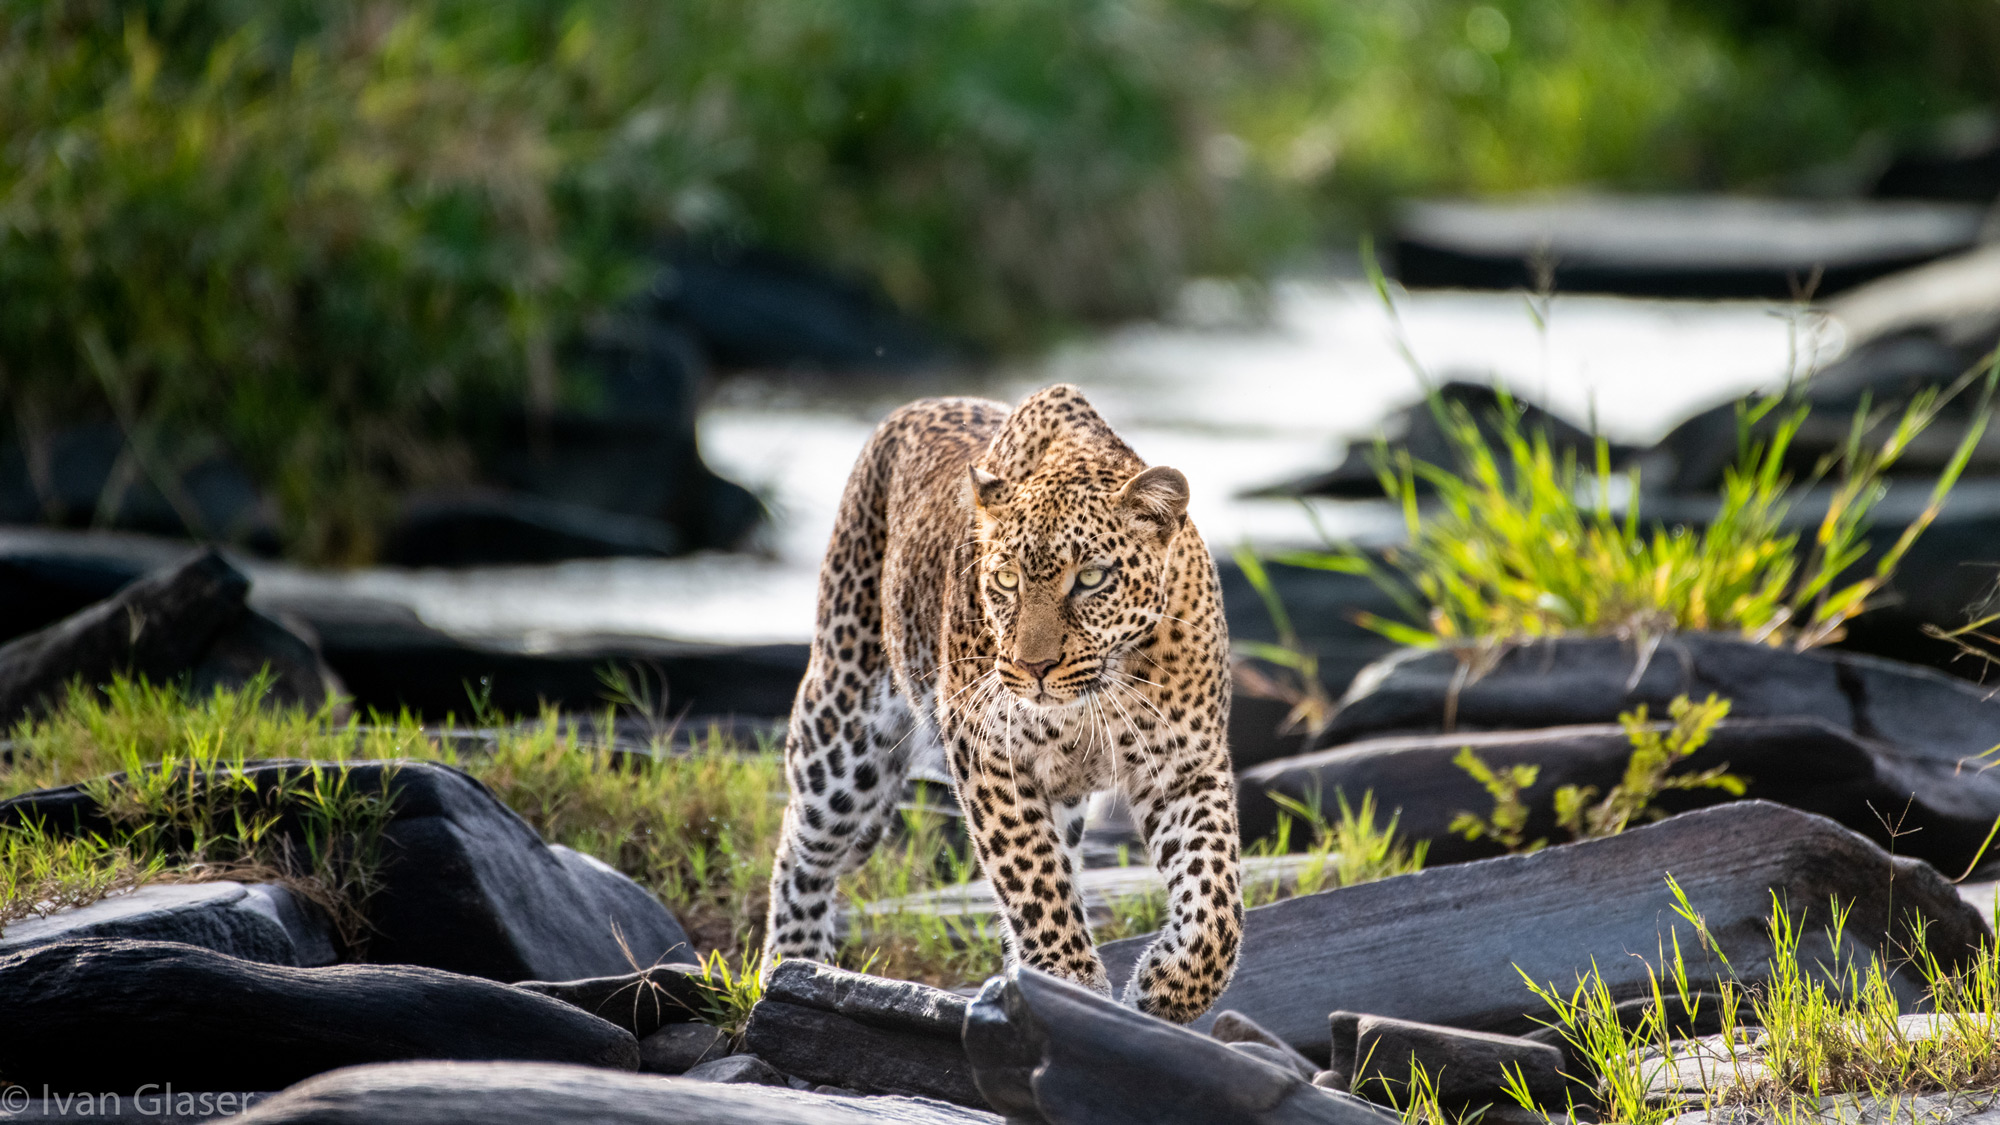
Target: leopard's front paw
x: 1174, y: 988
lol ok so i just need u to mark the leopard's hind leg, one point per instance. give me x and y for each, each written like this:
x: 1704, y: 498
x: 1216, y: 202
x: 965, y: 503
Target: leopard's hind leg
x: 847, y: 748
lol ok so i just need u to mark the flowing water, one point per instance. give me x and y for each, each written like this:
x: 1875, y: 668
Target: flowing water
x: 1233, y: 406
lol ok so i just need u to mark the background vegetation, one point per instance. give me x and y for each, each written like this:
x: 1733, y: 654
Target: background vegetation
x: 311, y: 232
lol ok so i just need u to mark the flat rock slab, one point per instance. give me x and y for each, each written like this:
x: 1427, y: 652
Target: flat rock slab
x: 1807, y: 763
x: 1047, y: 1050
x: 208, y: 1021
x: 1466, y: 1066
x: 1675, y: 246
x: 641, y: 1002
x: 466, y: 885
x: 257, y: 922
x: 1926, y: 733
x: 527, y: 1094
x: 865, y: 1033
x: 1443, y: 945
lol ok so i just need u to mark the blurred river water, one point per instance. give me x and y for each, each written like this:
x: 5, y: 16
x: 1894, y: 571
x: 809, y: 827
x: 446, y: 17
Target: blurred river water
x: 1233, y: 406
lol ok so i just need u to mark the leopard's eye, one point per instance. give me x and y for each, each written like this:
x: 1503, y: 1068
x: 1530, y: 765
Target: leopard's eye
x: 1090, y: 576
x: 1007, y: 579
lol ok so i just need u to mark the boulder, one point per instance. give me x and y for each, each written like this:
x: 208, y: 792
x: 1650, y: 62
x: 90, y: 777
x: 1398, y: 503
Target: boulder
x: 752, y: 307
x: 1674, y: 246
x: 157, y: 627
x: 210, y: 1021
x: 489, y: 528
x: 1807, y: 763
x: 65, y: 478
x: 745, y: 1070
x: 1239, y: 1030
x: 1927, y: 733
x: 390, y: 659
x: 680, y: 1047
x: 1467, y: 1067
x: 530, y: 1094
x: 865, y: 1033
x: 187, y: 620
x: 465, y: 884
x: 641, y: 1003
x: 255, y: 922
x: 1444, y: 945
x: 1416, y: 430
x: 1046, y: 1050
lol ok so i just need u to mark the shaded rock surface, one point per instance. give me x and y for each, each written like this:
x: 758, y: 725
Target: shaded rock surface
x: 1925, y: 732
x: 1467, y: 1066
x: 1383, y: 947
x: 1674, y: 246
x: 187, y: 620
x: 465, y: 884
x: 209, y: 1021
x: 1416, y: 430
x: 641, y: 1002
x: 527, y: 1094
x: 256, y: 922
x: 66, y: 479
x: 680, y: 1047
x: 1807, y: 763
x: 866, y: 1033
x: 1046, y: 1050
x: 744, y: 1070
x: 1235, y: 1028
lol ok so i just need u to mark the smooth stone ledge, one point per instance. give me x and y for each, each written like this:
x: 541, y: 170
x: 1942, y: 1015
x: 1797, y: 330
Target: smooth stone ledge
x: 257, y: 922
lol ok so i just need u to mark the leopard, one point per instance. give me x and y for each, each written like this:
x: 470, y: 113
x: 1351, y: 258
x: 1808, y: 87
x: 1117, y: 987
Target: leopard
x: 1021, y: 589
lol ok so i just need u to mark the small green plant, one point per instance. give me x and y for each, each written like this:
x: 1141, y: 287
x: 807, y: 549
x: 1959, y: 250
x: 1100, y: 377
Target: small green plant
x: 1654, y: 752
x: 730, y: 993
x: 43, y: 872
x: 1823, y: 1019
x: 1354, y: 848
x: 1580, y: 810
x: 1508, y: 825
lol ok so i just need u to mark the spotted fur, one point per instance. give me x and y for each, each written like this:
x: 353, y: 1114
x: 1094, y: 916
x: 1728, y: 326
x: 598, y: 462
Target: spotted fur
x: 1022, y: 587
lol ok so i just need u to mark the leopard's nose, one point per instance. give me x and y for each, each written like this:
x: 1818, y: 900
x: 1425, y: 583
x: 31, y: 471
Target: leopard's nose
x: 1039, y: 668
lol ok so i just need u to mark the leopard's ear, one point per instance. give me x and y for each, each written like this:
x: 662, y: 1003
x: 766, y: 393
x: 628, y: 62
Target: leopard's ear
x: 988, y: 490
x: 1159, y: 497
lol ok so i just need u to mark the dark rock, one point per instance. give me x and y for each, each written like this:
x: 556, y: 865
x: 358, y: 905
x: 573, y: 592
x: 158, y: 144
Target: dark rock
x: 157, y: 627
x: 1924, y: 732
x: 836, y: 1091
x: 748, y: 1070
x: 1441, y: 946
x: 1343, y: 1030
x: 640, y: 1002
x: 1808, y: 764
x: 1415, y: 429
x: 530, y: 1094
x: 867, y: 1033
x: 1963, y: 165
x: 1235, y: 1027
x: 1690, y: 461
x: 1046, y: 1050
x: 211, y: 1021
x: 41, y: 588
x: 497, y: 528
x: 680, y: 1047
x: 256, y: 645
x: 1467, y: 1067
x: 1279, y: 1056
x: 65, y: 480
x: 1322, y: 606
x: 390, y: 659
x: 258, y: 922
x: 756, y: 308
x: 1674, y: 246
x: 465, y: 885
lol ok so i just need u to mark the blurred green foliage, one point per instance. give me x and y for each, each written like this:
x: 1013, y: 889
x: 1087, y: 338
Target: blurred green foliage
x: 311, y: 232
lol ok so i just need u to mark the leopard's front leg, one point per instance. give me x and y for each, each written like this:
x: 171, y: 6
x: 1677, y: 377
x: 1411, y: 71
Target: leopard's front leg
x: 1189, y: 820
x: 1018, y: 832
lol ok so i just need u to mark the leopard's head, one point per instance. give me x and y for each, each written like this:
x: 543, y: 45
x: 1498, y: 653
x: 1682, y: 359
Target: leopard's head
x: 1071, y: 573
